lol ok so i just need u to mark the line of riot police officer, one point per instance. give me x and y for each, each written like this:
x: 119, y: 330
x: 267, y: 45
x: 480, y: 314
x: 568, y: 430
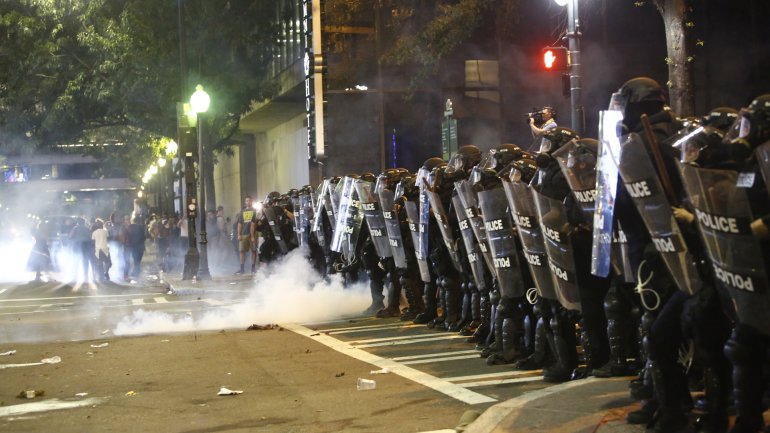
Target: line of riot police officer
x: 647, y: 248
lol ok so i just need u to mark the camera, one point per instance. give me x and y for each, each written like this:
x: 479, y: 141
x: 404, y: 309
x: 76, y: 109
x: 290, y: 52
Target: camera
x: 537, y: 116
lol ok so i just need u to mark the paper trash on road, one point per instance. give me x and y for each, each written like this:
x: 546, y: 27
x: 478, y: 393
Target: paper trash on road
x: 8, y: 353
x: 383, y: 371
x: 51, y: 360
x: 225, y: 391
x: 100, y: 345
x: 81, y: 394
x: 106, y: 331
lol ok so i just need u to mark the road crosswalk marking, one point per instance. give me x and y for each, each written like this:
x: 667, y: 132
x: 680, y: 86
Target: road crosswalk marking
x: 435, y: 355
x: 412, y: 340
x: 455, y: 391
x: 444, y: 359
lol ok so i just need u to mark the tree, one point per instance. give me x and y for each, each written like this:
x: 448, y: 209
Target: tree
x: 679, y: 47
x: 92, y: 70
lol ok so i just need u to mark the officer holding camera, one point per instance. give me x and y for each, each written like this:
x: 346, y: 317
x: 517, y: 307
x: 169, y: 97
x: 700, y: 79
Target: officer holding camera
x: 541, y: 121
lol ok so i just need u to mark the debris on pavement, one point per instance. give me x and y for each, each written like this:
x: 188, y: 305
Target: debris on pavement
x: 130, y: 393
x: 225, y: 391
x: 8, y: 353
x: 51, y: 360
x: 365, y: 384
x: 383, y: 371
x: 339, y: 374
x: 267, y: 327
x: 81, y: 394
x: 31, y: 393
x: 100, y: 345
x: 106, y: 331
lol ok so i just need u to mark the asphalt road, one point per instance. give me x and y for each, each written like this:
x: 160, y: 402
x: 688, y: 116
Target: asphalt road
x: 431, y: 377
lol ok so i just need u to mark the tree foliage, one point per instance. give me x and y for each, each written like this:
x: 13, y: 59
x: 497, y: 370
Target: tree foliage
x: 91, y: 70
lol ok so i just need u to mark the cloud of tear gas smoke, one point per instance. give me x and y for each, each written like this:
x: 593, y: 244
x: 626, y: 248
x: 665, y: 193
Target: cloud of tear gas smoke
x: 287, y: 291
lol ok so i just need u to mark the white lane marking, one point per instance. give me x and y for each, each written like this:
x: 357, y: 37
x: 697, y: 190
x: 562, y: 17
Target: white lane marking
x: 435, y: 355
x: 444, y: 359
x: 160, y: 300
x: 369, y: 329
x: 440, y: 385
x: 502, y: 381
x: 441, y: 431
x: 59, y: 298
x: 213, y: 302
x: 4, y: 366
x: 46, y: 405
x: 413, y: 341
x: 3, y: 291
x: 491, y: 417
x: 489, y: 375
x: 402, y: 337
x: 138, y: 301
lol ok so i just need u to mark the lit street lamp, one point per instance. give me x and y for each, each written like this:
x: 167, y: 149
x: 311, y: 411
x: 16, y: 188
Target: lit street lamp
x: 199, y: 102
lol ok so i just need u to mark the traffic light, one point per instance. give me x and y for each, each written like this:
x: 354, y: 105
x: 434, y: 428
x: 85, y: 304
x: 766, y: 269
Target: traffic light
x: 555, y: 58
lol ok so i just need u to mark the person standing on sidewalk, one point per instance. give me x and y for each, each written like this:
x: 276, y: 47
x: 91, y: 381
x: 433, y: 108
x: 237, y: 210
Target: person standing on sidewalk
x: 246, y: 224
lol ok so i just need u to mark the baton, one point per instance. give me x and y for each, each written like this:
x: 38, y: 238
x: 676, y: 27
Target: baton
x: 654, y: 148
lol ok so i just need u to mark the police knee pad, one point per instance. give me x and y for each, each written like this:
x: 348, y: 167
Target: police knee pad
x: 612, y: 306
x: 494, y: 296
x: 472, y: 287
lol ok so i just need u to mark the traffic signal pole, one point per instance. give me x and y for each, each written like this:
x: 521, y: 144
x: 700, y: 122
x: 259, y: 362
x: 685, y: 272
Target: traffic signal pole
x: 573, y: 37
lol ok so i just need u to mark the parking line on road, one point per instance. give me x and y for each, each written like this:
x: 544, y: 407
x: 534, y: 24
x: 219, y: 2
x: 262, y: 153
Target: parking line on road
x: 59, y: 298
x: 435, y: 355
x: 46, y: 405
x: 400, y: 337
x: 160, y: 300
x: 497, y: 374
x: 369, y: 328
x: 502, y: 381
x: 410, y: 341
x: 443, y: 386
x: 444, y: 359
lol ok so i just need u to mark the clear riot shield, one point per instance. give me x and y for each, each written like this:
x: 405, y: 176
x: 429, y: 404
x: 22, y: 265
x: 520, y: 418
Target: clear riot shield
x: 763, y: 158
x: 335, y: 199
x: 302, y: 221
x: 579, y: 168
x: 318, y: 208
x: 474, y: 253
x: 424, y: 214
x: 724, y: 216
x: 298, y: 229
x: 470, y: 205
x: 413, y: 218
x: 393, y: 227
x: 446, y: 230
x: 524, y: 212
x: 641, y: 181
x: 502, y: 245
x: 561, y: 258
x: 606, y: 190
x: 275, y: 228
x: 370, y: 203
x: 349, y: 220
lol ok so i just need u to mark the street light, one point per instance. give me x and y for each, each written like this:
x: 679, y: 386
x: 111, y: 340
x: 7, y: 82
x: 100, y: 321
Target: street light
x: 199, y: 102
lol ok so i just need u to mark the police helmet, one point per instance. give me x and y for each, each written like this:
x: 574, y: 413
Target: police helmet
x: 720, y: 118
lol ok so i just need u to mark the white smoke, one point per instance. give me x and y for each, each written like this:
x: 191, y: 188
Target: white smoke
x: 288, y: 291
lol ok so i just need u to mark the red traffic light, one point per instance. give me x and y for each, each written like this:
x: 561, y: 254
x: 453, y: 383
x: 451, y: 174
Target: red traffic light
x: 555, y: 58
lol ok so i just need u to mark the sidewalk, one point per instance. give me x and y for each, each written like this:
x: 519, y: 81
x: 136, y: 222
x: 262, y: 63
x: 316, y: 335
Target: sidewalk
x: 581, y: 406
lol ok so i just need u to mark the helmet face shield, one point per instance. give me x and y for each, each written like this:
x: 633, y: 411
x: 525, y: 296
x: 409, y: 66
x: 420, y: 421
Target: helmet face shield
x: 455, y: 164
x: 475, y: 176
x: 488, y: 160
x: 382, y: 184
x: 400, y: 189
x: 739, y: 129
x: 618, y: 102
x: 545, y: 145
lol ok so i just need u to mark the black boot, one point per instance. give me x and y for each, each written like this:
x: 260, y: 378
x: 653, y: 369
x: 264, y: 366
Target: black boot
x: 393, y: 298
x: 413, y: 297
x: 745, y: 351
x: 429, y: 298
x: 454, y: 305
x: 564, y: 347
x: 509, y: 348
x: 490, y: 345
x: 617, y: 365
x: 670, y: 416
x: 482, y: 330
x: 542, y: 353
x: 474, y: 307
